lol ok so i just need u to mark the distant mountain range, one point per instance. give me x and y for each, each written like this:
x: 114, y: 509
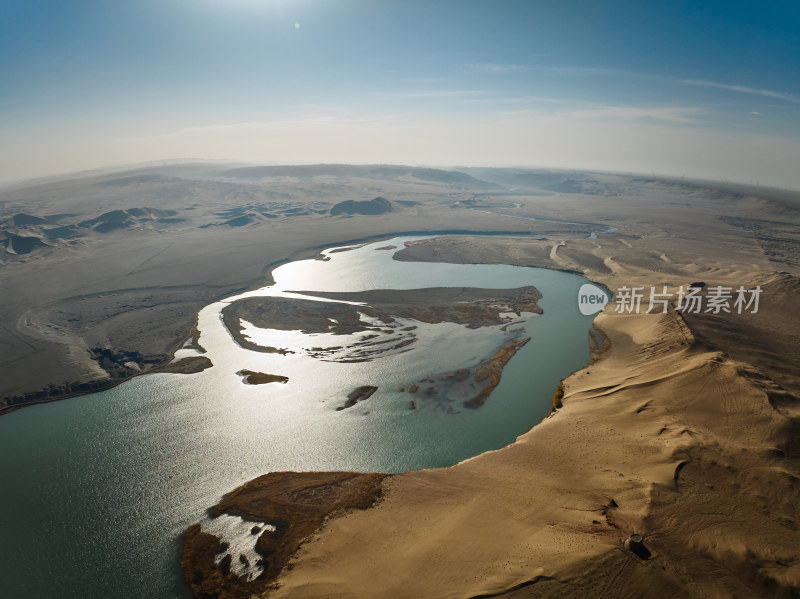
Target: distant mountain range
x: 385, y: 173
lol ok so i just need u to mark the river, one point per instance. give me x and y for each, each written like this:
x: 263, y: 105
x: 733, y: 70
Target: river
x: 98, y: 489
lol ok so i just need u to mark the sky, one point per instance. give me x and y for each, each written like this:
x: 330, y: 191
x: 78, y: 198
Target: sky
x: 697, y: 89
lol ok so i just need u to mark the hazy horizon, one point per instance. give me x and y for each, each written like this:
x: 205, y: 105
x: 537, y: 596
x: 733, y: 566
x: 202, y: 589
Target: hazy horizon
x: 705, y: 92
x: 122, y: 169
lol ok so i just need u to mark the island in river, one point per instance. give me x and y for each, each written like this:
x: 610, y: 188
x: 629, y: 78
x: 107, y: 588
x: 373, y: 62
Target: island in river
x: 389, y: 308
x: 388, y: 318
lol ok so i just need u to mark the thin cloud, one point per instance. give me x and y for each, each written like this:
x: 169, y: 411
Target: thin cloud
x: 619, y: 114
x: 743, y: 89
x: 304, y: 123
x: 497, y: 68
x: 435, y: 93
x: 595, y: 71
x: 519, y: 100
x: 673, y: 115
x: 604, y: 71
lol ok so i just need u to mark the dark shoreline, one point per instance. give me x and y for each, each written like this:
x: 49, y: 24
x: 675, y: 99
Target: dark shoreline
x: 80, y: 388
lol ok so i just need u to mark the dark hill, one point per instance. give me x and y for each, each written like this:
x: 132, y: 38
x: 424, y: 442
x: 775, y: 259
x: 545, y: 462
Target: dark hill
x: 23, y: 244
x: 24, y: 220
x: 241, y: 221
x: 374, y: 206
x: 127, y: 219
x: 61, y: 232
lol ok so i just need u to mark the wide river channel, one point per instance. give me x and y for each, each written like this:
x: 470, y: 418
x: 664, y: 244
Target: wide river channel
x: 95, y: 491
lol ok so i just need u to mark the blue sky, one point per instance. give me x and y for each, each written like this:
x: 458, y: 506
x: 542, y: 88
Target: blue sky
x: 707, y: 89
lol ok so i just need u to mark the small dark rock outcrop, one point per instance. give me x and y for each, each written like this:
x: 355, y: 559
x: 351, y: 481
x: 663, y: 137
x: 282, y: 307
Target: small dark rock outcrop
x: 360, y: 394
x: 261, y: 378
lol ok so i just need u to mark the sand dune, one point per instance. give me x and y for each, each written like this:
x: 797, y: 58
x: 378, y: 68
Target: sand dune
x: 661, y: 437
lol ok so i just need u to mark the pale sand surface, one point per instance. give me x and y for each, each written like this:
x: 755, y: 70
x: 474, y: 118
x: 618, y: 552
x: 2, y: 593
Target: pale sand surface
x: 686, y: 446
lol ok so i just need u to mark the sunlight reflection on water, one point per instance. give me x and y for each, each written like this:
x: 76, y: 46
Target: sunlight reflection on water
x: 130, y: 468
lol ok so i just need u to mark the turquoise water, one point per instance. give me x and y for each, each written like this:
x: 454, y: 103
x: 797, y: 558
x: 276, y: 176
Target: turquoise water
x: 98, y: 489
